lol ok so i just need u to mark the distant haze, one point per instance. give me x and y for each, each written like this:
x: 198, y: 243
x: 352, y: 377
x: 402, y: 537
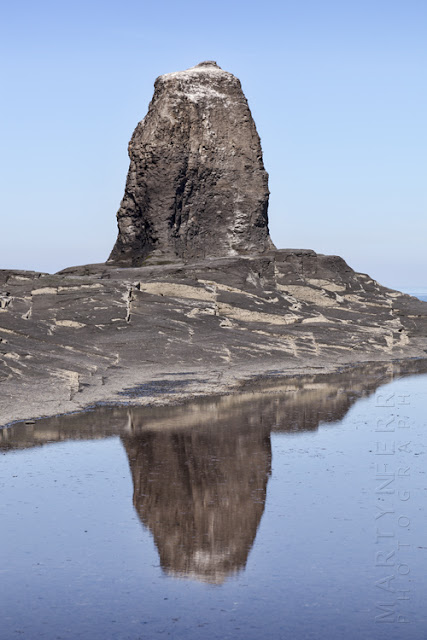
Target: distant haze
x: 338, y: 92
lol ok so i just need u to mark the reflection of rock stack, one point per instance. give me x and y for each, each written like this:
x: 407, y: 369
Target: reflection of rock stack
x: 202, y: 496
x: 200, y: 470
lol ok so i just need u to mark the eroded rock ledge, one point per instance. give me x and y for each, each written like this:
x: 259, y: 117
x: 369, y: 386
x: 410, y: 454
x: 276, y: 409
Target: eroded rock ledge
x: 161, y: 333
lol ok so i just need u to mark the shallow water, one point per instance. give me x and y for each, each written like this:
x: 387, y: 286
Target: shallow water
x: 296, y: 512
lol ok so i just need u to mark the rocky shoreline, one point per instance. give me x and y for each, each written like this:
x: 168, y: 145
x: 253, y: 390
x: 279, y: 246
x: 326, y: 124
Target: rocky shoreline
x: 165, y: 332
x: 194, y: 299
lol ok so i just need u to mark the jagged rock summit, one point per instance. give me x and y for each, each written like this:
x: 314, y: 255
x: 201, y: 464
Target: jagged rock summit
x: 196, y: 185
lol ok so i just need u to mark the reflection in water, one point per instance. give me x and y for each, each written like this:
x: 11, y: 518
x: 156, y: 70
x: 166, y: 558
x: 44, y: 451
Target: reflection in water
x: 200, y: 470
x: 202, y: 495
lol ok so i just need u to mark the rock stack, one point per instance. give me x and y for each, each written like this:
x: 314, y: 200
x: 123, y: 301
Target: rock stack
x: 196, y: 185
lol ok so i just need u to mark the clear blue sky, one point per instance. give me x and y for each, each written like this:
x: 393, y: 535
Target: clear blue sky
x: 338, y: 90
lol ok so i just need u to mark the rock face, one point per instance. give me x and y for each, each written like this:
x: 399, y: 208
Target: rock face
x: 196, y: 185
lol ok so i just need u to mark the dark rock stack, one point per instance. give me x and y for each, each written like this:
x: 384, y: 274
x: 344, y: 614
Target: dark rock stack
x: 196, y: 185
